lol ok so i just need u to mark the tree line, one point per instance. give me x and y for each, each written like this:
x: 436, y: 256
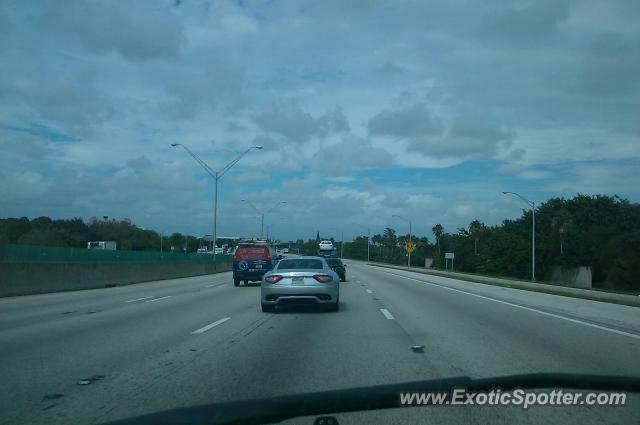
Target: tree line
x: 76, y: 233
x: 601, y: 232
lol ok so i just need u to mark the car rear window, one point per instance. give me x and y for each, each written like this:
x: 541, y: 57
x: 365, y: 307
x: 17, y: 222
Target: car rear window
x: 252, y: 253
x: 300, y: 264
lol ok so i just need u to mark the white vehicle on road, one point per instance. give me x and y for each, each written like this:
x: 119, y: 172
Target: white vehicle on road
x: 325, y: 245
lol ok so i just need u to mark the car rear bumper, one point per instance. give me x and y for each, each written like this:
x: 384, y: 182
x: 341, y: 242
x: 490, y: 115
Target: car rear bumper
x: 299, y: 294
x: 254, y: 275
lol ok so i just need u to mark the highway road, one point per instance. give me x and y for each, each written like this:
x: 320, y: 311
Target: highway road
x: 91, y: 356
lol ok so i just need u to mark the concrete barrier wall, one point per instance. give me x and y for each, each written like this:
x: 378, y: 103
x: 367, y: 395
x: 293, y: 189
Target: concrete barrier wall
x: 572, y: 276
x: 37, y: 278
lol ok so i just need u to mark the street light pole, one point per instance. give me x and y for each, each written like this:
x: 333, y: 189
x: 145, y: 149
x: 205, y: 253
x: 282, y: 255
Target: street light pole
x: 215, y: 216
x: 533, y: 231
x: 217, y: 175
x: 409, y: 221
x: 262, y: 214
x: 368, y: 243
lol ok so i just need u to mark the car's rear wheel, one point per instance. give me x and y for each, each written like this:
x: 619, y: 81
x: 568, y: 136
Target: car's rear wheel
x: 236, y: 282
x: 246, y: 282
x: 335, y: 306
x: 268, y: 308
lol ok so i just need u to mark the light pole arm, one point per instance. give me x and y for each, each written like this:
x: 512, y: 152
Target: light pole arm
x: 227, y: 167
x: 530, y: 203
x: 203, y: 164
x: 405, y: 219
x: 275, y: 206
x: 252, y: 206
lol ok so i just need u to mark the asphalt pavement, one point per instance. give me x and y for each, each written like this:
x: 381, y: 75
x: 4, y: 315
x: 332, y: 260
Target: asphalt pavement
x: 92, y: 356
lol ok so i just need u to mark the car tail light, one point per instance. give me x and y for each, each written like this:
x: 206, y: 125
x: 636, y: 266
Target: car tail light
x: 323, y: 278
x: 274, y: 278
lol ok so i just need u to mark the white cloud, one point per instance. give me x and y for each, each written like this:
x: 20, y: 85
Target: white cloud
x: 296, y: 125
x: 537, y: 96
x: 619, y: 178
x: 406, y: 122
x: 101, y: 26
x: 560, y: 145
x: 351, y: 154
x: 468, y: 137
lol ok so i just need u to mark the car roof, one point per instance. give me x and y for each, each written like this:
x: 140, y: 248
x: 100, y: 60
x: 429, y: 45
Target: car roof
x: 305, y: 257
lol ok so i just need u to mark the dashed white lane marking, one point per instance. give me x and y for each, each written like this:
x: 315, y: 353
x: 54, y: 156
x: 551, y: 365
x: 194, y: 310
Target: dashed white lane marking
x: 210, y: 325
x: 386, y: 313
x: 369, y: 291
x: 140, y: 299
x: 545, y: 313
x: 158, y: 299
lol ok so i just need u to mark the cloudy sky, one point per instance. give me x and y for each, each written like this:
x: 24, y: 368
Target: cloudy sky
x: 365, y: 109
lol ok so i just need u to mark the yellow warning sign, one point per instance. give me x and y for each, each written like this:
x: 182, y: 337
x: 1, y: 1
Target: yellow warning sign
x: 410, y: 247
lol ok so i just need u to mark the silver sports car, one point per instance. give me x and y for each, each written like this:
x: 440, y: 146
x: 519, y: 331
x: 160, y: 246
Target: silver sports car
x: 300, y: 280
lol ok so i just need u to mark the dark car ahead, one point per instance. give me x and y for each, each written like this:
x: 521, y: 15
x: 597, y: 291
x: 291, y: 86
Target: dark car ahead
x: 339, y: 267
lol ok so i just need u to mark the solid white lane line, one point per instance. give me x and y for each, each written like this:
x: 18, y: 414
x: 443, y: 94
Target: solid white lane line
x: 211, y: 325
x: 557, y: 316
x: 386, y: 313
x: 369, y: 291
x: 140, y: 299
x: 158, y: 299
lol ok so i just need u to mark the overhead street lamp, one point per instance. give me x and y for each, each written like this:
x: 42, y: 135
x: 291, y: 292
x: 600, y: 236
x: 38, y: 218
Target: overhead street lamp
x: 533, y: 231
x: 217, y: 175
x: 408, y: 221
x: 261, y: 213
x: 368, y: 238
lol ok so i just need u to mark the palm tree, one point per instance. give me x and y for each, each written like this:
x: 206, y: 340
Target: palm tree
x: 438, y: 230
x: 390, y: 239
x: 475, y: 227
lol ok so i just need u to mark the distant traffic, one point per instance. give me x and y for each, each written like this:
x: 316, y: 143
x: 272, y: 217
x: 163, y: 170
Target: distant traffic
x: 289, y: 279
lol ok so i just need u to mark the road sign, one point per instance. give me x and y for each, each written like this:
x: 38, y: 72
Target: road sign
x: 410, y: 247
x: 449, y: 255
